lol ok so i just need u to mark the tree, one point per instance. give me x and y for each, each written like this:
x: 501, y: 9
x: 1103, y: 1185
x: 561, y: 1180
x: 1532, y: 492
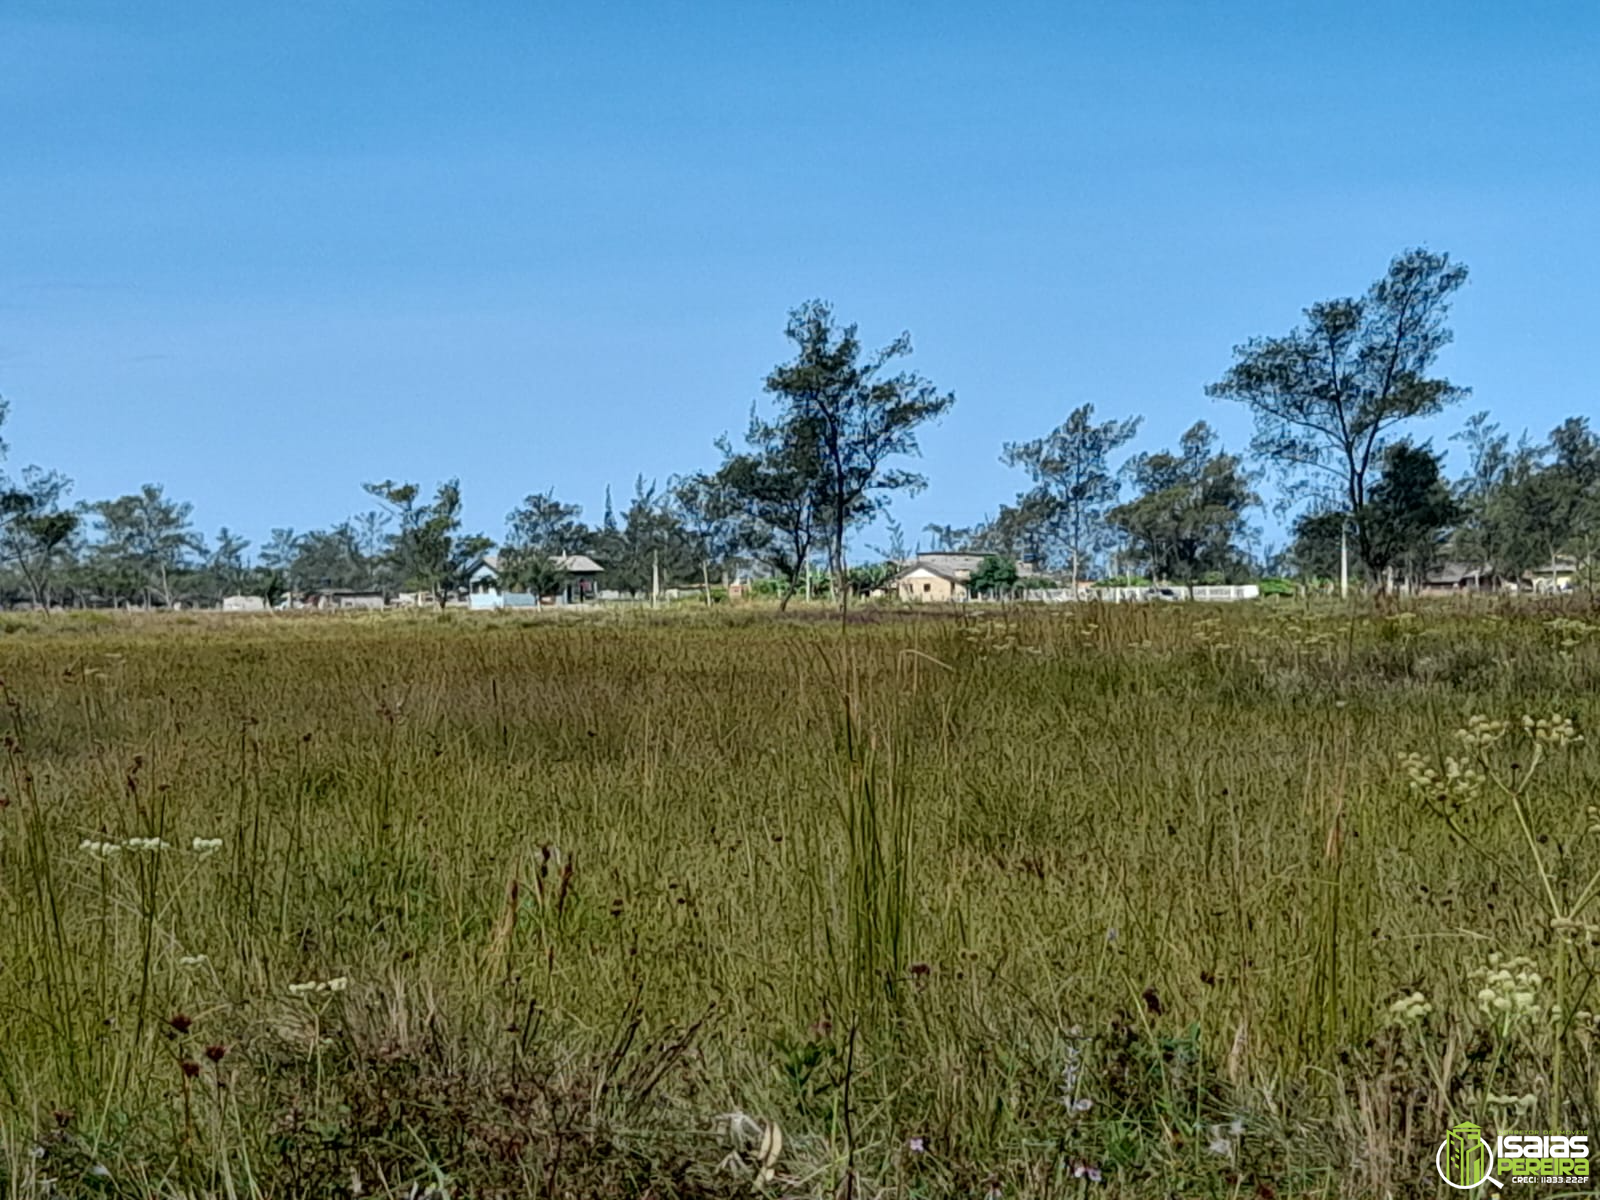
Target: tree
x: 709, y: 514
x: 650, y: 544
x: 951, y: 538
x: 1325, y: 396
x: 995, y: 573
x: 1318, y: 543
x: 145, y: 540
x: 1190, y: 510
x: 858, y: 416
x: 229, y: 573
x: 428, y: 550
x: 329, y: 558
x: 1409, y: 511
x: 1022, y: 530
x: 524, y: 569
x: 36, y: 534
x: 1548, y: 502
x: 540, y: 531
x: 544, y: 524
x: 772, y: 489
x: 1489, y: 462
x: 1073, y: 479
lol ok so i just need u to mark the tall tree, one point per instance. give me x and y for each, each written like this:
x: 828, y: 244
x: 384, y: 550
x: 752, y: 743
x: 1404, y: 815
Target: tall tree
x: 709, y: 513
x: 429, y: 551
x: 146, y: 539
x: 650, y: 543
x: 36, y: 534
x: 1326, y: 395
x: 772, y: 487
x: 1071, y: 470
x: 1317, y: 547
x: 1189, y: 514
x: 545, y: 525
x: 1410, y: 509
x: 539, y: 532
x: 1489, y: 463
x: 228, y: 571
x: 859, y: 415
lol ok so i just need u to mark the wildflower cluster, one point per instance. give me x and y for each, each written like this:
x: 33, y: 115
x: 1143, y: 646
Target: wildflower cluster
x: 1410, y: 1009
x: 106, y: 850
x: 1557, y: 732
x: 1480, y: 732
x: 1568, y: 631
x: 1457, y: 784
x: 1524, y: 1104
x: 316, y: 986
x: 1510, y: 988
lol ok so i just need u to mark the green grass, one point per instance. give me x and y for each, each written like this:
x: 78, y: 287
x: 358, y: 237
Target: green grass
x: 961, y: 905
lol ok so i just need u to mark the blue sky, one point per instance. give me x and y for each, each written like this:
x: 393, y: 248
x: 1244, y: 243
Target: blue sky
x: 261, y: 253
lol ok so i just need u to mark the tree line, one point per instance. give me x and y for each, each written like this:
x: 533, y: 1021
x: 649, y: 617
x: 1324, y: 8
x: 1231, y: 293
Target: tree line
x: 1333, y: 402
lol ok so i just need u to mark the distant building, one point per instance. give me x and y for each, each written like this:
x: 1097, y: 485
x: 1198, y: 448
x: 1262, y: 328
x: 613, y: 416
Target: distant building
x: 484, y: 590
x: 1452, y: 578
x: 243, y: 604
x: 1558, y: 575
x: 340, y: 598
x: 939, y: 576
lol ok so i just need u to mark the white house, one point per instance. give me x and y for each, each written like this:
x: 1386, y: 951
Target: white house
x: 484, y: 592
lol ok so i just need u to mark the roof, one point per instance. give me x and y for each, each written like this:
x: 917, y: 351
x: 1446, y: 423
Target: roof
x: 953, y: 564
x: 573, y: 564
x: 1455, y: 572
x: 943, y: 572
x: 577, y: 564
x: 1561, y: 566
x: 945, y: 562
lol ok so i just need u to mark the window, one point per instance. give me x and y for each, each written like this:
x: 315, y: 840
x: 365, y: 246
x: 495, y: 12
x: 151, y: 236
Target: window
x: 927, y: 587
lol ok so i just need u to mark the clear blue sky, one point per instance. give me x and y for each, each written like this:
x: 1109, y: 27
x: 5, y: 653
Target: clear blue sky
x: 261, y: 253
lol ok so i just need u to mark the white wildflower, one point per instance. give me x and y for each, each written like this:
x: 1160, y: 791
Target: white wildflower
x: 1554, y: 731
x: 194, y: 960
x: 204, y: 846
x: 146, y: 845
x: 315, y: 986
x: 101, y: 850
x: 1410, y: 1009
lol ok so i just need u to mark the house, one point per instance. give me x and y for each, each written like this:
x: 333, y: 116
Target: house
x: 484, y: 591
x: 1557, y: 575
x: 939, y: 576
x: 1454, y: 578
x: 927, y: 582
x: 340, y: 598
x: 243, y: 604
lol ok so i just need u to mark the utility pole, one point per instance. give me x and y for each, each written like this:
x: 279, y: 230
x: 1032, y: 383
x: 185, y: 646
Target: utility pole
x: 655, y: 576
x: 1344, y: 561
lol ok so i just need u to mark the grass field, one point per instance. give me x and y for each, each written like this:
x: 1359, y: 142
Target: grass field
x: 1138, y: 901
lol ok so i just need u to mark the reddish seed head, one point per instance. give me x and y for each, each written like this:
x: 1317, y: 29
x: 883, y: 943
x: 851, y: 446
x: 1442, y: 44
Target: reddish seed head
x: 180, y: 1022
x: 216, y: 1053
x: 190, y: 1068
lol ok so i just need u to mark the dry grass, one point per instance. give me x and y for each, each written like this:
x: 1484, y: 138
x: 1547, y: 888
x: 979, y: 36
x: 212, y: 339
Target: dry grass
x: 957, y: 906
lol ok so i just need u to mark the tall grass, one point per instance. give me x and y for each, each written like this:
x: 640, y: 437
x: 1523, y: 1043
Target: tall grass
x: 1022, y: 903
